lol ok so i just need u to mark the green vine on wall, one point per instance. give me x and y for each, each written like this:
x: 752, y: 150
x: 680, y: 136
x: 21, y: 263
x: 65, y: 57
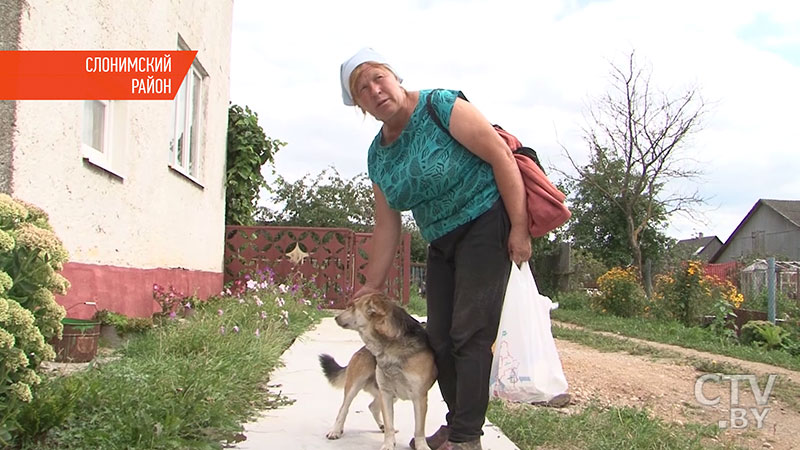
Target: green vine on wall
x: 248, y: 150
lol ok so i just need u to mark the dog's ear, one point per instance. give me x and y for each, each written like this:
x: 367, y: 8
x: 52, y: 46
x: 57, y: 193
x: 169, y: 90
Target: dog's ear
x: 387, y: 328
x: 387, y: 323
x: 374, y: 307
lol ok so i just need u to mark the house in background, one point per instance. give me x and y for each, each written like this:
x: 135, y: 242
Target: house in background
x: 701, y: 248
x: 134, y: 189
x: 771, y: 228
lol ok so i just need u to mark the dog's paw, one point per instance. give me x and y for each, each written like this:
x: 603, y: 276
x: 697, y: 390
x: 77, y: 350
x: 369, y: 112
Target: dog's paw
x: 387, y: 446
x: 334, y: 434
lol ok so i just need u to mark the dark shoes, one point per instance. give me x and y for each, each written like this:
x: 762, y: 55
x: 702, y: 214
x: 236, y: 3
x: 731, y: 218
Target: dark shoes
x: 471, y: 445
x: 559, y: 401
x: 436, y: 439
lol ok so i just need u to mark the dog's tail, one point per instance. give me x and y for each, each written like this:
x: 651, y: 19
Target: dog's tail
x: 332, y: 370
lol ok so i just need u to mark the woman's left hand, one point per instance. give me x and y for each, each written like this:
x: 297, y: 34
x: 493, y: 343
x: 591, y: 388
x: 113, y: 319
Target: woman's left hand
x: 519, y: 245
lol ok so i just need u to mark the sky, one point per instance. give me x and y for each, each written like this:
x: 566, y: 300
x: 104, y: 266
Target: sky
x: 536, y: 67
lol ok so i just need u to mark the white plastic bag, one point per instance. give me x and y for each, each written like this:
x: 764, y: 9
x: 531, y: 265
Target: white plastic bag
x: 526, y: 367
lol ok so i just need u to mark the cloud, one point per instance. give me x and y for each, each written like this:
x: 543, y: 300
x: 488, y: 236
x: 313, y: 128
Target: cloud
x: 534, y: 67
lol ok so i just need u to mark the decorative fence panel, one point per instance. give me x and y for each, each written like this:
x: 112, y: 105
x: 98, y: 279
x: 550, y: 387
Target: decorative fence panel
x: 399, y: 278
x: 333, y: 257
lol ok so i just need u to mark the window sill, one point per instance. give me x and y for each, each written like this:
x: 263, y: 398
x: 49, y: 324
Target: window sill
x: 103, y: 166
x: 181, y: 172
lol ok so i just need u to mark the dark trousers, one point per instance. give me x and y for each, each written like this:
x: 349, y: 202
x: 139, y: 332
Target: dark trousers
x: 467, y: 274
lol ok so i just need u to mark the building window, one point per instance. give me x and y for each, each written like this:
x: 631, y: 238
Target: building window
x: 185, y: 145
x: 103, y: 132
x: 97, y: 130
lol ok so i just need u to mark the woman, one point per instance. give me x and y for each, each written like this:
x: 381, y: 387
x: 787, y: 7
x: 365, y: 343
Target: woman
x: 468, y: 200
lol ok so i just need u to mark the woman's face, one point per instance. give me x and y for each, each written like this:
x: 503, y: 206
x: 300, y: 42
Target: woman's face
x: 378, y: 92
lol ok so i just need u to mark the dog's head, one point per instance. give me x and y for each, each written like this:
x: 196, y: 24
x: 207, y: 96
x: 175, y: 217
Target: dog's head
x: 371, y: 313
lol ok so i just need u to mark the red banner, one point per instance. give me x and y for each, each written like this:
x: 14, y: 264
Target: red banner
x: 93, y: 75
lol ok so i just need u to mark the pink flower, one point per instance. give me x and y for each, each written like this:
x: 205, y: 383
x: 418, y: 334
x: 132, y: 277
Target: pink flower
x: 236, y: 328
x: 172, y: 315
x: 258, y: 333
x: 259, y: 302
x: 219, y: 312
x: 263, y: 315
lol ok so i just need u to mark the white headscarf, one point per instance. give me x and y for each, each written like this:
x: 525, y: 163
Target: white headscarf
x: 364, y: 55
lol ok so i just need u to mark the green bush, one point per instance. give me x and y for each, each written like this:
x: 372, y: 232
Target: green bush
x: 763, y: 334
x: 620, y: 293
x: 784, y: 306
x: 30, y: 256
x: 688, y: 295
x: 124, y: 324
x: 574, y: 300
x: 188, y: 383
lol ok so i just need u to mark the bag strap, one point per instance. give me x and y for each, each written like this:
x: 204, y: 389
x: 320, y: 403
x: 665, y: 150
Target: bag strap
x: 526, y: 151
x: 432, y: 112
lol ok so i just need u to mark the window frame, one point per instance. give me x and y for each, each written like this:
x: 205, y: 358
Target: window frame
x: 100, y: 157
x: 193, y: 87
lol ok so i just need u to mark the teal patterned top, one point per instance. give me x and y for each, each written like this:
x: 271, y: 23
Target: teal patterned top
x: 427, y: 172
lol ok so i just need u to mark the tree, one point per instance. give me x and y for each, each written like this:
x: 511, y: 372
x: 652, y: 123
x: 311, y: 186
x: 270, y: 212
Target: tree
x: 636, y: 137
x: 248, y: 150
x: 598, y: 228
x: 328, y: 200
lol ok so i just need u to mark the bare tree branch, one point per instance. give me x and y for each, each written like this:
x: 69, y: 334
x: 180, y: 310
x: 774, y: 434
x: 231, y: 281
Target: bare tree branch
x: 636, y: 136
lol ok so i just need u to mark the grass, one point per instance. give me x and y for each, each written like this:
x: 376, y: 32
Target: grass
x: 189, y: 385
x: 597, y: 428
x: 184, y: 385
x: 417, y: 305
x: 671, y: 332
x: 611, y: 344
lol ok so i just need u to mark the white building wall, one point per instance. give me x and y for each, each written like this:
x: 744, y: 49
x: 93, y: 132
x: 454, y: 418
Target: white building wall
x: 154, y: 217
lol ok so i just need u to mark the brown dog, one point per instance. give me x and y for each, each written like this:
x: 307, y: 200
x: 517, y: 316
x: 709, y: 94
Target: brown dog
x: 396, y: 362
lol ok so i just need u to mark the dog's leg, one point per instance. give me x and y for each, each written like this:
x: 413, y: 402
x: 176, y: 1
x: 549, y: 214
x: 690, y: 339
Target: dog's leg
x: 350, y: 392
x: 420, y: 411
x: 387, y: 408
x: 375, y: 406
x: 375, y: 409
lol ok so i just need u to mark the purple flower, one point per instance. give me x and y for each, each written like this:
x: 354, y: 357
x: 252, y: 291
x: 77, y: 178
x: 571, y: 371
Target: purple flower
x: 236, y: 328
x: 172, y: 315
x: 188, y: 305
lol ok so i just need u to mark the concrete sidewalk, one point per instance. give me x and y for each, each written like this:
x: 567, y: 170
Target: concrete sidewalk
x: 304, y: 424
